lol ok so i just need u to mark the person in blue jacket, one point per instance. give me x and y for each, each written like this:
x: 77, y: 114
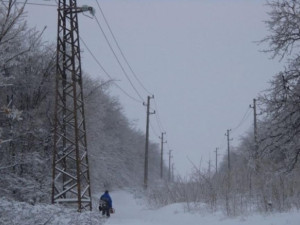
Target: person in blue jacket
x: 108, y: 203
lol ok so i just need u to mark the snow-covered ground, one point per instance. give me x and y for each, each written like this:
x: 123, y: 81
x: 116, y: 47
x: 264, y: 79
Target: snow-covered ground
x: 131, y: 211
x: 19, y: 213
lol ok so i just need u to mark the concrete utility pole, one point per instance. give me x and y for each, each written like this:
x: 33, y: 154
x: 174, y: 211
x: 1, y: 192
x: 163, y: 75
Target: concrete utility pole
x: 216, y: 151
x: 255, y: 127
x: 70, y: 174
x: 170, y: 156
x: 147, y: 142
x: 162, y: 153
x: 228, y: 148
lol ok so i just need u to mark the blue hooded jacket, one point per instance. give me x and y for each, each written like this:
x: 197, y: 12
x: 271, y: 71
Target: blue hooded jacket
x: 107, y: 198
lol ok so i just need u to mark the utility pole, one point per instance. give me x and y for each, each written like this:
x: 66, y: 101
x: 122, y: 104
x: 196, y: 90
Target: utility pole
x: 228, y: 147
x: 209, y: 167
x: 256, y: 166
x: 162, y: 153
x: 70, y: 172
x: 172, y: 172
x: 147, y: 141
x: 255, y: 127
x: 170, y: 156
x: 228, y: 173
x: 216, y: 151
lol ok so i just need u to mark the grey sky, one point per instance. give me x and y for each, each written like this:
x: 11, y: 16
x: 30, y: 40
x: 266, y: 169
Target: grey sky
x: 198, y: 58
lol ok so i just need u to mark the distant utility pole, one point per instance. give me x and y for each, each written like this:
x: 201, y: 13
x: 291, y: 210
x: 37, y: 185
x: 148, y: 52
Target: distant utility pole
x: 228, y: 173
x: 255, y: 127
x: 209, y: 167
x: 170, y: 156
x: 70, y: 172
x: 162, y: 153
x: 228, y: 147
x: 147, y: 142
x: 216, y: 151
x: 172, y: 172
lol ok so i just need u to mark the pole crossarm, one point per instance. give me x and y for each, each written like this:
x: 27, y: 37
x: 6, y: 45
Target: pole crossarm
x: 70, y: 176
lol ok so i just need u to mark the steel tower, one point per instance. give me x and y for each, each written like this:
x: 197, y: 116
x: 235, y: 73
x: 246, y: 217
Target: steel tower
x: 71, y: 181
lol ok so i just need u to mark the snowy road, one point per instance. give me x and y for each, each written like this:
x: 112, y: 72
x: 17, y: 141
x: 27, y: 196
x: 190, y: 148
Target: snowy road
x: 129, y: 212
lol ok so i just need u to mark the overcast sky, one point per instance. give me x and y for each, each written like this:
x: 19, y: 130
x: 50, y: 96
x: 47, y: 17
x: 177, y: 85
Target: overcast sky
x: 199, y: 58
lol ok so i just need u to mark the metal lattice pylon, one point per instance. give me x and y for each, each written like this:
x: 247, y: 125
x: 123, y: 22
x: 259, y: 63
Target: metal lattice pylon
x: 71, y: 182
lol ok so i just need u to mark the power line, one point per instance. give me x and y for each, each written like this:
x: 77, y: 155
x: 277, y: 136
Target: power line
x: 117, y: 44
x: 107, y: 74
x: 153, y: 130
x: 222, y: 143
x: 116, y: 57
x: 97, y: 61
x: 246, y: 115
x: 124, y: 57
x: 129, y: 66
x: 244, y: 118
x: 168, y: 143
x: 159, y: 123
x: 100, y: 65
x: 30, y: 3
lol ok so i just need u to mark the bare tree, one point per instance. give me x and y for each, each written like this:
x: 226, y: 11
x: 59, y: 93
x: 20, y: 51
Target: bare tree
x: 284, y: 27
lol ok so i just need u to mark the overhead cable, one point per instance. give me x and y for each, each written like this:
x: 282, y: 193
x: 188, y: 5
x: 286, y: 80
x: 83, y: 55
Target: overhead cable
x: 116, y: 57
x: 246, y: 115
x: 117, y: 44
x: 154, y: 131
x: 140, y: 100
x: 30, y: 3
x: 159, y: 123
x: 107, y: 74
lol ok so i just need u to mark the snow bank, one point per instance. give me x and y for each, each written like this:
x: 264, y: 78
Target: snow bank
x: 20, y: 213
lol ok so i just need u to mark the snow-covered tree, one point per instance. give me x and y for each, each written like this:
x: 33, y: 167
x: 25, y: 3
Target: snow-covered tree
x: 116, y: 148
x: 283, y: 26
x: 280, y: 103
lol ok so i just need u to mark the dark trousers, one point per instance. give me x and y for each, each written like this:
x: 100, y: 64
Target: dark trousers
x: 105, y: 211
